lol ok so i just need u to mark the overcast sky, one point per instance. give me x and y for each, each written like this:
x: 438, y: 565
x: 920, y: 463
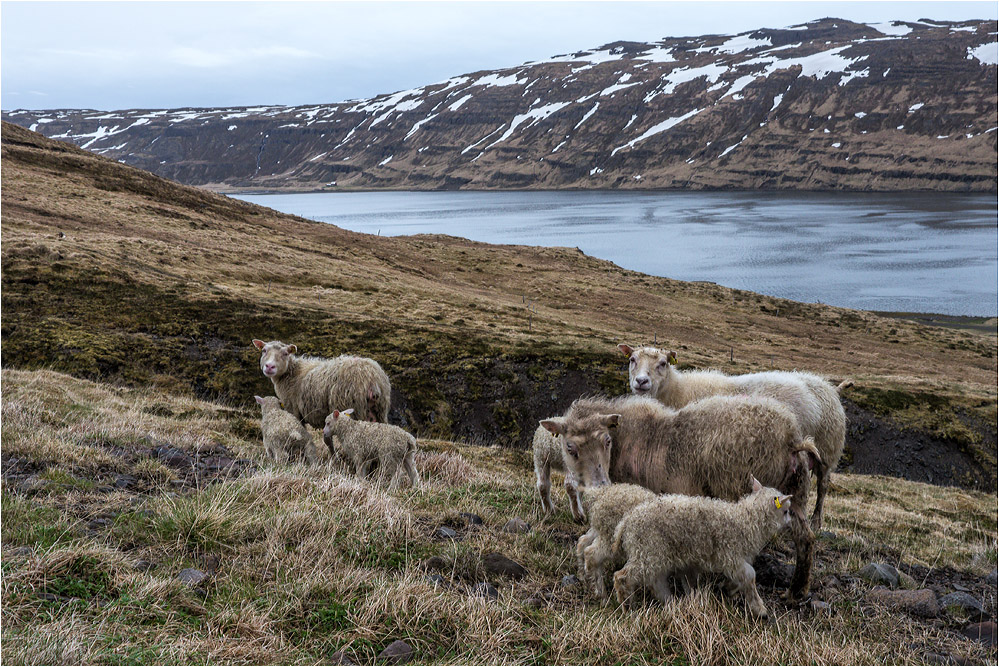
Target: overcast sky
x: 120, y: 55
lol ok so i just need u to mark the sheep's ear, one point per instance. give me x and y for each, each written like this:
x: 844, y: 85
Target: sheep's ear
x: 756, y: 485
x: 348, y: 411
x: 671, y: 358
x: 291, y: 348
x: 259, y: 344
x: 785, y: 499
x: 610, y: 421
x: 552, y: 426
x: 258, y: 400
x: 335, y: 414
x: 627, y: 349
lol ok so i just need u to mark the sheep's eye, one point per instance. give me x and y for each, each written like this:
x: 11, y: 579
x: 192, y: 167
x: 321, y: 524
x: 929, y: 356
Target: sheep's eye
x: 633, y: 361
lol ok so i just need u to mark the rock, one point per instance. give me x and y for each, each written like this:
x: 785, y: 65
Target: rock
x: 981, y: 632
x: 435, y: 564
x: 189, y: 576
x: 173, y: 457
x: 922, y: 602
x: 446, y: 533
x: 771, y: 572
x: 820, y: 607
x: 472, y: 519
x: 438, y: 581
x: 124, y: 482
x: 945, y: 659
x: 905, y: 581
x: 143, y: 566
x: 516, y: 525
x: 993, y: 578
x: 98, y: 524
x: 339, y: 658
x: 568, y: 581
x: 538, y: 600
x: 486, y: 590
x: 17, y: 552
x: 210, y: 563
x: 963, y: 605
x: 496, y: 563
x: 48, y: 597
x: 396, y: 653
x: 880, y: 573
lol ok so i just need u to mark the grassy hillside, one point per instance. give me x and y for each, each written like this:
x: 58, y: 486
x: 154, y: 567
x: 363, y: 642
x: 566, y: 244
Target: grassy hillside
x: 109, y: 493
x: 112, y: 273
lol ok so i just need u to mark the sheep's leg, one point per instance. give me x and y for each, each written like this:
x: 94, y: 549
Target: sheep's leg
x: 414, y: 476
x: 572, y: 491
x: 544, y: 485
x: 744, y: 579
x: 624, y: 585
x: 662, y: 587
x: 392, y: 469
x: 585, y: 540
x: 821, y: 486
x: 595, y: 556
x: 362, y: 469
x: 804, y: 546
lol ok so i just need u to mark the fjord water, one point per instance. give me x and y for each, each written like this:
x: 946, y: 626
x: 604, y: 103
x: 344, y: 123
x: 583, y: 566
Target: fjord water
x: 922, y: 252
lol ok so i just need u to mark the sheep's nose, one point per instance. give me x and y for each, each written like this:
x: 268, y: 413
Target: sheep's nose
x: 642, y: 382
x: 268, y: 367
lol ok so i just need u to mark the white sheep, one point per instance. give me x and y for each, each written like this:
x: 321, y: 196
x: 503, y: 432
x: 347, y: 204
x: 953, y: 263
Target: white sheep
x: 363, y: 443
x: 683, y: 535
x: 606, y: 506
x: 711, y: 447
x: 548, y: 455
x: 312, y: 387
x: 285, y: 439
x: 813, y: 400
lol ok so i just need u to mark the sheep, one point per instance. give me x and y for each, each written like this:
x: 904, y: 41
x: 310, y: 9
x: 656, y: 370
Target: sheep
x: 363, y: 443
x: 711, y: 447
x: 676, y: 534
x: 285, y: 439
x: 813, y: 400
x: 312, y: 387
x: 548, y: 454
x: 605, y: 505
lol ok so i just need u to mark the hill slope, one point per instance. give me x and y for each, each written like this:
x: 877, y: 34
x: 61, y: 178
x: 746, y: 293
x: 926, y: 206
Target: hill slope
x: 826, y: 105
x: 113, y: 273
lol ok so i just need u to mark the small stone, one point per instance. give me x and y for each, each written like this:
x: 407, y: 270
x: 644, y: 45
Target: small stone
x: 143, y: 566
x: 435, y: 564
x: 568, y: 581
x: 516, y: 525
x: 98, y: 524
x: 496, y: 563
x: 963, y: 605
x: 124, y: 482
x: 981, y: 632
x: 48, y: 597
x: 17, y: 552
x: 820, y: 607
x: 472, y: 519
x: 211, y: 563
x: 826, y: 535
x: 963, y: 589
x: 486, y: 590
x: 993, y: 578
x: 539, y: 600
x: 905, y: 581
x: 918, y: 603
x: 396, y: 653
x: 191, y: 577
x: 339, y: 658
x: 446, y: 533
x: 438, y: 581
x: 880, y: 573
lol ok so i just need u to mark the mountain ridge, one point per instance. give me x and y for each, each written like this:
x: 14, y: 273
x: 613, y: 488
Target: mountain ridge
x: 823, y: 106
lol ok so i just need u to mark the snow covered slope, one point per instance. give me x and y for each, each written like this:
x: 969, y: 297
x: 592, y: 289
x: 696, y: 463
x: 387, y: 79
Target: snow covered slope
x: 825, y: 105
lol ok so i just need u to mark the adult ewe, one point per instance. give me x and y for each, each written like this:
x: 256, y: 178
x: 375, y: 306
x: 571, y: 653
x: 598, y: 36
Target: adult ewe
x: 312, y: 387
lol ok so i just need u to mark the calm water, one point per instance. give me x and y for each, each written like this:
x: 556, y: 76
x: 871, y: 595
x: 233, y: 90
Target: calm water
x: 907, y: 252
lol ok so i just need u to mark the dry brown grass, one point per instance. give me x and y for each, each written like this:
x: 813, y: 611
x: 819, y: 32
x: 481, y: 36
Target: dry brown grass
x: 311, y: 561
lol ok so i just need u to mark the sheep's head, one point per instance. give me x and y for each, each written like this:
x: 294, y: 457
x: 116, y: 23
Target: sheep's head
x: 274, y: 357
x: 333, y: 419
x: 268, y: 403
x: 586, y: 446
x: 648, y: 368
x: 776, y: 505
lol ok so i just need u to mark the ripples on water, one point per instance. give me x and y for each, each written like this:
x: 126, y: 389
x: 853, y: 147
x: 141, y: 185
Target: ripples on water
x: 896, y: 252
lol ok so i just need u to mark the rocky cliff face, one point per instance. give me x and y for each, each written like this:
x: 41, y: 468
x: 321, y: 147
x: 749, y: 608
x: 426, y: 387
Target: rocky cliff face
x: 825, y: 105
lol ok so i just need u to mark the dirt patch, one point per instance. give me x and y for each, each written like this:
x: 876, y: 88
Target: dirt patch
x: 878, y: 446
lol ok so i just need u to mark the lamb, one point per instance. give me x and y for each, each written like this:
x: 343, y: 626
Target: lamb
x: 285, y: 439
x: 548, y: 454
x: 312, y: 387
x: 363, y: 443
x: 711, y: 447
x: 813, y: 400
x: 606, y: 506
x: 676, y: 534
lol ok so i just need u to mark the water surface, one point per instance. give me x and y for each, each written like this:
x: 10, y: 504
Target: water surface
x: 896, y: 252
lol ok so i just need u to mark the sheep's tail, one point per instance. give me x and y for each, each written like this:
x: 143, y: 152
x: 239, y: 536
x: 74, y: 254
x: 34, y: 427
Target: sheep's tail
x: 374, y: 396
x: 814, y: 458
x: 845, y: 384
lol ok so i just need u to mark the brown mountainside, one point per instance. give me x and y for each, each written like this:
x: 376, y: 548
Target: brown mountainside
x: 826, y: 105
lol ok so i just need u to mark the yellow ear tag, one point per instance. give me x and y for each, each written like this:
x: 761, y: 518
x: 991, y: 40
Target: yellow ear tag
x: 671, y: 360
x: 776, y: 502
